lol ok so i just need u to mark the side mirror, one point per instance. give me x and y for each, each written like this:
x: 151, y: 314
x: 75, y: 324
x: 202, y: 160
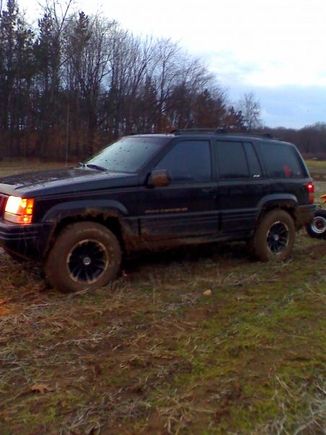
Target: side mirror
x: 159, y: 178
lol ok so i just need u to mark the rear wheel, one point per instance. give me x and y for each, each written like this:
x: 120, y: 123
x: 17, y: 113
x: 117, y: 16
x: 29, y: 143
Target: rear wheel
x: 86, y: 255
x: 317, y: 227
x: 274, y: 237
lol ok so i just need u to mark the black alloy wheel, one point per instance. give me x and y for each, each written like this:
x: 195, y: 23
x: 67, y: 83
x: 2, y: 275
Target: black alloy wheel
x: 87, y: 261
x: 278, y: 237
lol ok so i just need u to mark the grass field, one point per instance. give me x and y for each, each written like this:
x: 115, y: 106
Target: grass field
x: 201, y: 340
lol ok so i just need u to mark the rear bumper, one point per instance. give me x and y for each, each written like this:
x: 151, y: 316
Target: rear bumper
x: 25, y: 240
x: 304, y: 214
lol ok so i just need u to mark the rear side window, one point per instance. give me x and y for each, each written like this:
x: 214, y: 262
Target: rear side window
x: 188, y: 161
x: 281, y: 161
x: 231, y: 160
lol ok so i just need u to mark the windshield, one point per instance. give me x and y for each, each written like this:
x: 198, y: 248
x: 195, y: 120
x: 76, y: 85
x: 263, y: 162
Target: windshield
x: 129, y: 154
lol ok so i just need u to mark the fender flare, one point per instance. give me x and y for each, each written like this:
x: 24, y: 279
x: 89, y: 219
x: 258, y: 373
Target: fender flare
x: 83, y: 208
x: 277, y: 200
x: 79, y: 209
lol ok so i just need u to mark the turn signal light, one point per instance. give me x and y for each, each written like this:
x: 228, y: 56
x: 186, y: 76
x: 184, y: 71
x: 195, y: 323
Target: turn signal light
x: 19, y: 210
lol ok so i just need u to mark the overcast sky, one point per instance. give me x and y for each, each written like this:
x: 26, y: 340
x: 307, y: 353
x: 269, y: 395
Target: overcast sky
x: 274, y: 48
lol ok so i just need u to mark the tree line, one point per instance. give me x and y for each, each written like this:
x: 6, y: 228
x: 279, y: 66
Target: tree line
x: 76, y: 82
x: 311, y: 139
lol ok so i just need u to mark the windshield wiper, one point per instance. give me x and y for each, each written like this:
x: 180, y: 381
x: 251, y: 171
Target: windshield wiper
x: 99, y: 168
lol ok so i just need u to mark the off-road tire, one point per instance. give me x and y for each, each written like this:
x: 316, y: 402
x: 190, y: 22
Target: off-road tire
x: 317, y: 227
x: 274, y: 236
x: 85, y: 255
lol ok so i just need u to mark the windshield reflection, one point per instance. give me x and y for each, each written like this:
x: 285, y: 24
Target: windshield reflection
x: 129, y: 154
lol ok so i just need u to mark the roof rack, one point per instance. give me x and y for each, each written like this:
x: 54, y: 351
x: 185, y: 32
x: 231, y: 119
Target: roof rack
x: 178, y: 131
x: 220, y: 130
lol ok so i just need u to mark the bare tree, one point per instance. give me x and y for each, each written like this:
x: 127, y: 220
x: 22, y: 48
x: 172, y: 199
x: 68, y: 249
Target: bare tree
x: 250, y: 110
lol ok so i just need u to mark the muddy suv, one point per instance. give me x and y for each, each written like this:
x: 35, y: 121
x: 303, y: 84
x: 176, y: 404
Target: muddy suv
x: 156, y: 191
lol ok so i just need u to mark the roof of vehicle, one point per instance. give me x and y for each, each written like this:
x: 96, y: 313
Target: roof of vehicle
x: 221, y: 133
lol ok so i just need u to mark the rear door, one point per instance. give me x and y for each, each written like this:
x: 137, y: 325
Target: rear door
x: 241, y: 185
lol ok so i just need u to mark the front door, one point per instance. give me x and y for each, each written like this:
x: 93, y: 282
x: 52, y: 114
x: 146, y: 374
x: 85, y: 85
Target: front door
x: 187, y: 206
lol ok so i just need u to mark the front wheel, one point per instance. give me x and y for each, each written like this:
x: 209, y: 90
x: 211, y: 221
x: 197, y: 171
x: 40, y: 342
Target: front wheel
x: 317, y: 227
x: 86, y: 255
x: 274, y: 237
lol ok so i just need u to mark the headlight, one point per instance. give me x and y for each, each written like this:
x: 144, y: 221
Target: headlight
x: 19, y: 210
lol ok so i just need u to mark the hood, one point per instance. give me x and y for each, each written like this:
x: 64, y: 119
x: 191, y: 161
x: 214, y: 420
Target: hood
x: 62, y: 181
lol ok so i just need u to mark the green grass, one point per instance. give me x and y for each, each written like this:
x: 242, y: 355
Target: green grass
x: 316, y: 165
x: 152, y: 354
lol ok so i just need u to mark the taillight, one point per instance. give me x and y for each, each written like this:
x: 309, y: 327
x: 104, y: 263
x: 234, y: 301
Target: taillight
x: 311, y: 190
x: 19, y: 210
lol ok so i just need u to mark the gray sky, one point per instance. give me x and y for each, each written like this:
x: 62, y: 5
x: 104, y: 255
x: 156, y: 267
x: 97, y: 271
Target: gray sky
x: 274, y: 48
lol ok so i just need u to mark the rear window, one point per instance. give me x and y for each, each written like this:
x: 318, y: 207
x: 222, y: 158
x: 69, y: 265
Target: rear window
x: 281, y: 160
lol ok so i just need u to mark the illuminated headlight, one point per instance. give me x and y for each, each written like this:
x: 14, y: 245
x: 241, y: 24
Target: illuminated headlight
x: 19, y: 210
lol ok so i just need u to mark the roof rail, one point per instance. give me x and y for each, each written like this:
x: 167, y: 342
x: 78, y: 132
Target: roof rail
x: 178, y: 131
x: 221, y: 130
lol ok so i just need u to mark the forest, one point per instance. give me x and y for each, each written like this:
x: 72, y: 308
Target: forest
x: 73, y: 83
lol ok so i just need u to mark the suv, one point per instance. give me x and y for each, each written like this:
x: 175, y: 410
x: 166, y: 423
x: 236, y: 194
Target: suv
x: 155, y: 191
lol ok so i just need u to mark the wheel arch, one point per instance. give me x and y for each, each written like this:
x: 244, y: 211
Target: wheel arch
x: 111, y: 219
x: 272, y: 202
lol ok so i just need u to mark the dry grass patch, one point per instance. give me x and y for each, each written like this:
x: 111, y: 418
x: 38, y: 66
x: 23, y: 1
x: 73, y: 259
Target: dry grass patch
x: 153, y: 354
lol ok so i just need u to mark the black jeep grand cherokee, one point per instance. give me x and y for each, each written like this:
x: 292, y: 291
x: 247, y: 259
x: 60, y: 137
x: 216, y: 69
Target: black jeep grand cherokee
x: 152, y: 191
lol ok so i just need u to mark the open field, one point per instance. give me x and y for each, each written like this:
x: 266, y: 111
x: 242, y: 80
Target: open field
x: 317, y: 165
x: 201, y: 340
x: 317, y: 169
x: 12, y: 167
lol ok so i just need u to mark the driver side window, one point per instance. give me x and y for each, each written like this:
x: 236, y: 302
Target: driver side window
x: 188, y: 161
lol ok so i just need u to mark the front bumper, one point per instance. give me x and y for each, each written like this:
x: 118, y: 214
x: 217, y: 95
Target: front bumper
x: 304, y: 214
x: 25, y: 240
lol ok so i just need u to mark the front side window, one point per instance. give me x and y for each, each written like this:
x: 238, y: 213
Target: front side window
x: 188, y: 161
x: 231, y: 160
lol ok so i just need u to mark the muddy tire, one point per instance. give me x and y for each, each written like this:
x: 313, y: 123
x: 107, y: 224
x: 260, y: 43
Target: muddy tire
x: 317, y: 227
x: 274, y: 237
x: 86, y: 255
